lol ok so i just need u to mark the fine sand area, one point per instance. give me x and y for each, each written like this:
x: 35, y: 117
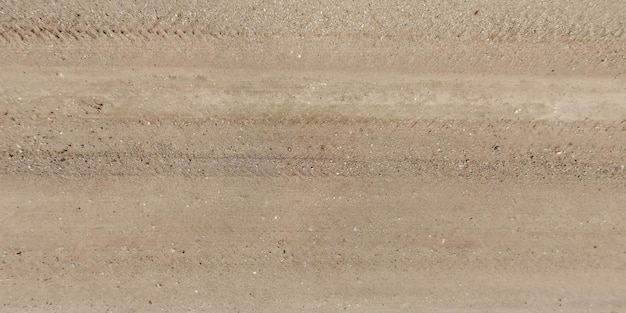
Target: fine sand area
x: 312, y: 156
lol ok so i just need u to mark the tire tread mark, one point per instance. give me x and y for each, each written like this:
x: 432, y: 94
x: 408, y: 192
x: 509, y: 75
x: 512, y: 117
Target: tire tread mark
x: 3, y: 35
x: 536, y: 30
x: 607, y: 40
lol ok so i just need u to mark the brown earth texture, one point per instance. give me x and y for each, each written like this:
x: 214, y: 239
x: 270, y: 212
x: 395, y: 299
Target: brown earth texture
x: 312, y: 156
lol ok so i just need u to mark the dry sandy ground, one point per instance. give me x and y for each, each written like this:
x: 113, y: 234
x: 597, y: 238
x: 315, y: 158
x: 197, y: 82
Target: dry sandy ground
x: 299, y: 156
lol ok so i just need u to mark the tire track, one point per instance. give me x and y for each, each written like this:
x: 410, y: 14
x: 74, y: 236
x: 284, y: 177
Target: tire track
x: 456, y: 48
x: 536, y: 29
x: 124, y: 164
x: 421, y: 148
x: 174, y: 163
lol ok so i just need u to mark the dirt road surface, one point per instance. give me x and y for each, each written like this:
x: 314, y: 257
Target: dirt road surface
x: 298, y: 156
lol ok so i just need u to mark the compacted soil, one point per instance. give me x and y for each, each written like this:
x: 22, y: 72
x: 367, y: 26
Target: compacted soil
x: 312, y: 156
